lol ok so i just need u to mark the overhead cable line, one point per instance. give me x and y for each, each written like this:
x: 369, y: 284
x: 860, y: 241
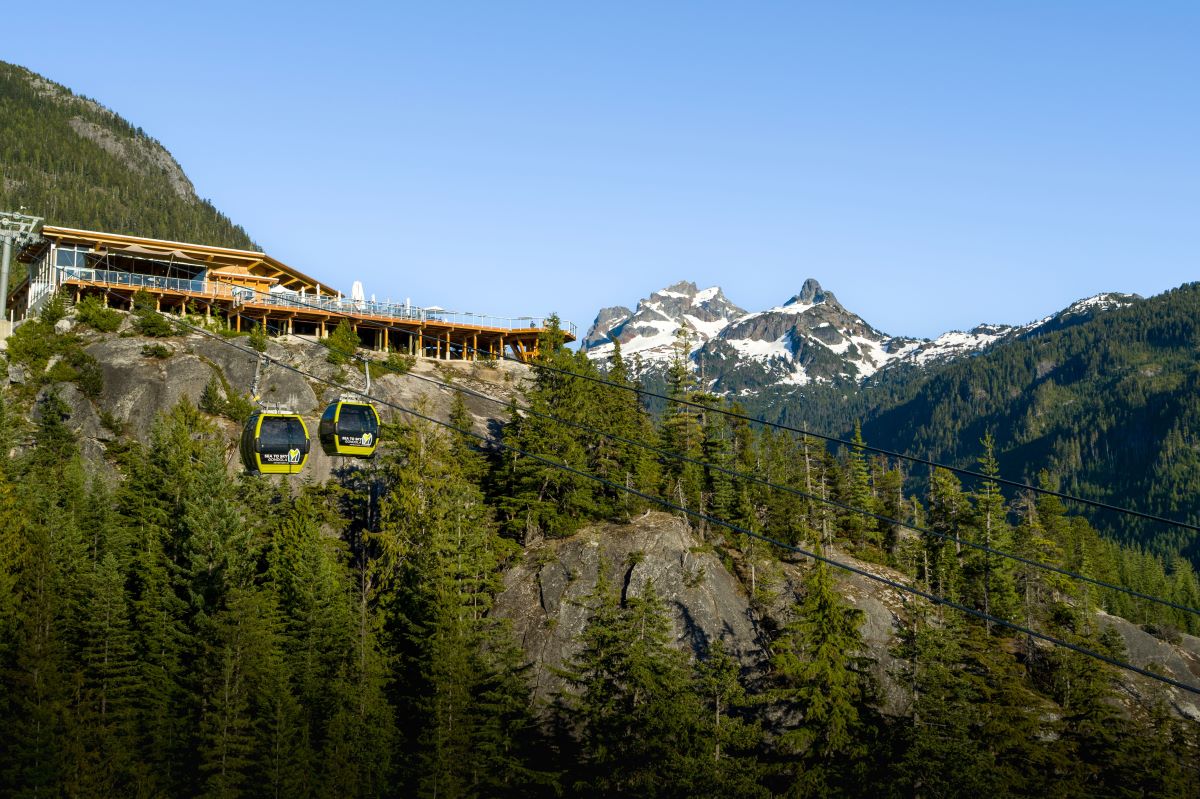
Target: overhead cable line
x: 801, y: 431
x: 865, y: 447
x: 805, y: 495
x: 927, y: 595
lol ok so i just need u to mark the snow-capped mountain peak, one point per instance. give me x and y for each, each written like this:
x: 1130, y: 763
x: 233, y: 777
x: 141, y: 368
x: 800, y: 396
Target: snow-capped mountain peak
x: 650, y: 331
x: 809, y: 338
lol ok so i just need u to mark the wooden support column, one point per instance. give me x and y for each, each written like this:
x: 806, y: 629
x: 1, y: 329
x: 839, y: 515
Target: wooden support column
x: 237, y: 320
x: 321, y: 333
x: 421, y: 342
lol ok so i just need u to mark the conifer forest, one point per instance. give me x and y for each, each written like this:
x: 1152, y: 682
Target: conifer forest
x: 183, y: 629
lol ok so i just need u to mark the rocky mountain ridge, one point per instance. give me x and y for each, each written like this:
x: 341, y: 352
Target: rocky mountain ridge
x: 650, y: 330
x: 810, y: 338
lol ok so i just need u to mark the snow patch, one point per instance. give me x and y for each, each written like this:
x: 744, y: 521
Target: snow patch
x: 761, y: 350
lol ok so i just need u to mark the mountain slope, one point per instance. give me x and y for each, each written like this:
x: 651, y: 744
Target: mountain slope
x: 1102, y: 394
x: 1109, y: 403
x: 70, y: 160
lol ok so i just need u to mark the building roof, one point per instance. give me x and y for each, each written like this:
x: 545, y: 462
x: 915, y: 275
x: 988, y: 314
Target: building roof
x: 216, y: 258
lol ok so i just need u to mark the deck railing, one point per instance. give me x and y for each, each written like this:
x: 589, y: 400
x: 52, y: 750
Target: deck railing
x: 280, y: 299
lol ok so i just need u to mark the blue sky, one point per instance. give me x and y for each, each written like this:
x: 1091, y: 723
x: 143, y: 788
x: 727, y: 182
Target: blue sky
x: 934, y: 164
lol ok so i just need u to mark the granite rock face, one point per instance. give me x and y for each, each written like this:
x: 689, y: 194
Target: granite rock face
x: 545, y: 597
x: 140, y: 384
x: 607, y: 319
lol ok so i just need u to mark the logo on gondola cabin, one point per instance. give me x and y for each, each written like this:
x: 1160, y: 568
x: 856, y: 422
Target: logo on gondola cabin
x: 366, y: 439
x: 293, y: 455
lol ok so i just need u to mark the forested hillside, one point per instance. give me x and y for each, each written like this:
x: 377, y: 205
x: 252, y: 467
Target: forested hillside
x: 1107, y: 405
x: 76, y: 164
x: 186, y: 630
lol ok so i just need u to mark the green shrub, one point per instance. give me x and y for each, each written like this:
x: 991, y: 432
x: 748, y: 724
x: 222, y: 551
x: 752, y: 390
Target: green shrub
x: 342, y: 344
x: 399, y: 364
x: 143, y: 301
x: 32, y: 344
x: 148, y: 321
x: 153, y: 324
x: 89, y: 376
x: 211, y: 399
x: 54, y: 309
x: 76, y: 366
x: 157, y: 351
x: 109, y: 421
x: 219, y: 400
x: 91, y: 312
x: 258, y: 337
x: 238, y: 407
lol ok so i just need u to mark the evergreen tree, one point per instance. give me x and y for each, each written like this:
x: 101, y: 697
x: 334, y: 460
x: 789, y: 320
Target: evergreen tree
x: 465, y: 447
x: 682, y: 431
x: 629, y: 702
x: 342, y: 344
x: 50, y: 571
x: 859, y: 494
x: 727, y: 763
x: 537, y: 498
x: 619, y: 411
x: 949, y: 512
x: 452, y: 656
x: 990, y: 582
x: 824, y: 690
x: 942, y: 753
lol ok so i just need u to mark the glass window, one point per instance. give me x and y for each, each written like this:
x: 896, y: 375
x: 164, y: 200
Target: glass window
x: 69, y: 256
x: 279, y: 434
x: 355, y: 420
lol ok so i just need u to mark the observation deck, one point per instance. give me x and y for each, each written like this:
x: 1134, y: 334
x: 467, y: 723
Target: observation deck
x: 246, y: 288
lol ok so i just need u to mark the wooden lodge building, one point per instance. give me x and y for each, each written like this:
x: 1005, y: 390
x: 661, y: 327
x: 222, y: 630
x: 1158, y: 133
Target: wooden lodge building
x: 246, y: 288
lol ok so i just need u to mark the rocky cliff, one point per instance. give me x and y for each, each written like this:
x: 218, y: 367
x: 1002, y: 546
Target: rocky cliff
x: 546, y: 597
